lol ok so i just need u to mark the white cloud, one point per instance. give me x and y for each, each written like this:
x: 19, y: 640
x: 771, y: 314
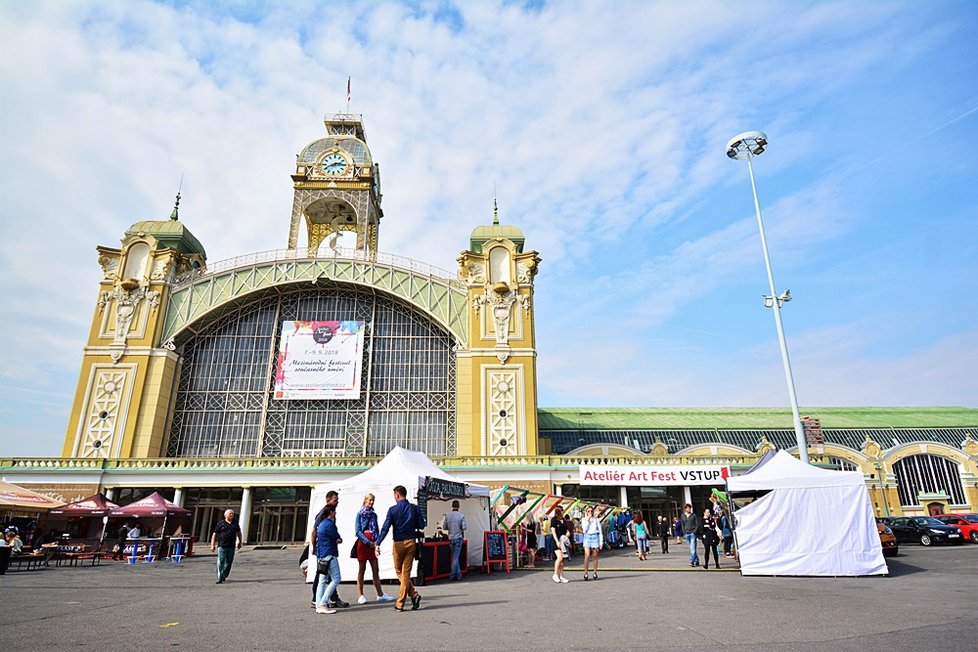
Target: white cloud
x: 600, y: 130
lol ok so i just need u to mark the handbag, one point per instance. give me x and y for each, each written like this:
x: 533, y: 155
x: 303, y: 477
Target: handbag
x: 322, y: 565
x: 353, y: 550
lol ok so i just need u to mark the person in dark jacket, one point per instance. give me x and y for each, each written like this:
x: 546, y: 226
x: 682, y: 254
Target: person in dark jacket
x: 120, y: 550
x: 727, y: 534
x: 710, y: 539
x: 692, y: 529
x: 664, y: 533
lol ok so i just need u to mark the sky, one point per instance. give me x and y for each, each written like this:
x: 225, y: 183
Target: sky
x: 600, y: 128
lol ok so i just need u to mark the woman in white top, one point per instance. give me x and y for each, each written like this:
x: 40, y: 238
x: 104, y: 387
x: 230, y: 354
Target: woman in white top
x: 593, y: 540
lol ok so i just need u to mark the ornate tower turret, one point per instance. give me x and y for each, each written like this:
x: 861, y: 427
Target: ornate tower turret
x: 127, y: 375
x: 337, y: 187
x: 499, y: 363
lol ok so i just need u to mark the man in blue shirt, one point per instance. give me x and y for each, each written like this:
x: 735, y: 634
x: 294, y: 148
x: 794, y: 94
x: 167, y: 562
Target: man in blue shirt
x: 407, y: 520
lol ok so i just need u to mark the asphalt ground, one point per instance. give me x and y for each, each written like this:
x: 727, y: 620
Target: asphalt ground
x: 927, y: 602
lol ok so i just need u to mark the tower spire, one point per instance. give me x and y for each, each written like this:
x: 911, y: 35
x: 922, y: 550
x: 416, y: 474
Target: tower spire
x: 176, y: 205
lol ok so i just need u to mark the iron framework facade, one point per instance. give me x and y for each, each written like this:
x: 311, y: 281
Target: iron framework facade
x: 225, y: 406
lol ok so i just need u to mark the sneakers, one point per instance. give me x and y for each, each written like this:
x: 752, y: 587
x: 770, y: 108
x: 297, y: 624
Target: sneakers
x: 564, y: 580
x: 556, y: 578
x: 416, y: 602
x: 594, y: 576
x: 325, y: 610
x: 362, y: 599
x: 383, y: 598
x: 338, y: 604
x: 585, y: 576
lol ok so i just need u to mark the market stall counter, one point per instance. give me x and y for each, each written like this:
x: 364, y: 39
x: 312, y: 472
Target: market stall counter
x: 438, y: 559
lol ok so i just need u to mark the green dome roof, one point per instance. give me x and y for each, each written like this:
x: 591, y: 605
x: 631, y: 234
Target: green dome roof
x: 482, y: 234
x: 169, y: 233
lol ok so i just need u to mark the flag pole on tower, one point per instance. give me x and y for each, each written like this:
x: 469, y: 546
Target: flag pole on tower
x: 347, y: 94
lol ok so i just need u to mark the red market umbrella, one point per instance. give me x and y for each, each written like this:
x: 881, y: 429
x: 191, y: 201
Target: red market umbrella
x: 150, y: 506
x: 97, y: 505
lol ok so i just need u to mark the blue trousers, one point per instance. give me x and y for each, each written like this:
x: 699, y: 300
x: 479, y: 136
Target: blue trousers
x: 455, y: 546
x: 327, y: 584
x: 691, y: 540
x: 225, y: 557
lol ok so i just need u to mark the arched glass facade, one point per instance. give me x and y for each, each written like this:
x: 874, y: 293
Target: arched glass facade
x: 224, y: 405
x: 928, y: 474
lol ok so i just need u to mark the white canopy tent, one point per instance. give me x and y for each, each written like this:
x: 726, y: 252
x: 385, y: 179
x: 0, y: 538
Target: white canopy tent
x: 811, y: 521
x: 400, y: 467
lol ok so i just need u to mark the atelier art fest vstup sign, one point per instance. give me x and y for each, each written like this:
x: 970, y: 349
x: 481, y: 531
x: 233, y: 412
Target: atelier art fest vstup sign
x: 653, y: 476
x: 319, y: 360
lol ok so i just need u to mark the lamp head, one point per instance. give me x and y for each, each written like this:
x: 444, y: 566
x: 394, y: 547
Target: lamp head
x: 749, y: 143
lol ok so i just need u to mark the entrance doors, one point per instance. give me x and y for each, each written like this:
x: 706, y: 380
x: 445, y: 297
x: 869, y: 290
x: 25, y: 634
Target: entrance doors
x: 280, y: 523
x: 656, y: 501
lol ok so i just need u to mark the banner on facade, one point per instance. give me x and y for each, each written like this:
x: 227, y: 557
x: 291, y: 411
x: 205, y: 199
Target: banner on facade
x: 319, y: 360
x: 653, y: 476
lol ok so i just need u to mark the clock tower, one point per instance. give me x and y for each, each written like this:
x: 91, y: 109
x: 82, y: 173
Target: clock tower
x: 336, y: 189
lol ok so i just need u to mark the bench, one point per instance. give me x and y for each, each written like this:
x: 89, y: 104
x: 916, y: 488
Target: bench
x: 78, y: 554
x: 32, y: 561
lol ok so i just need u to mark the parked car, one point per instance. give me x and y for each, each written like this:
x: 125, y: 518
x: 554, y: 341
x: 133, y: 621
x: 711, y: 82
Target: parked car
x: 967, y: 523
x: 891, y: 548
x: 924, y: 530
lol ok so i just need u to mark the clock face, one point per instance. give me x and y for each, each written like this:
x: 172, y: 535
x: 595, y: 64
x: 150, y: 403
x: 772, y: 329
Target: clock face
x: 334, y: 164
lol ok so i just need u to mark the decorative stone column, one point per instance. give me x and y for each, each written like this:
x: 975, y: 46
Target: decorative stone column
x: 245, y: 516
x: 178, y: 496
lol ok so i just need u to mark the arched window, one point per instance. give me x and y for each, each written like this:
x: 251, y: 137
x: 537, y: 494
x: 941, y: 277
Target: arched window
x: 841, y: 464
x: 928, y: 474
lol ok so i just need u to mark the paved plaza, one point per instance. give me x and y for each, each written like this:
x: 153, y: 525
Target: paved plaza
x: 265, y: 606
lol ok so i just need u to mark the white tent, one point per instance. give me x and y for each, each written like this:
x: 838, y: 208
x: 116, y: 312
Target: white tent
x: 400, y: 467
x: 811, y: 521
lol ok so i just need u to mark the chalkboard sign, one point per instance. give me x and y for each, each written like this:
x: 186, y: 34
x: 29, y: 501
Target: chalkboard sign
x: 444, y: 488
x: 495, y: 549
x: 423, y: 504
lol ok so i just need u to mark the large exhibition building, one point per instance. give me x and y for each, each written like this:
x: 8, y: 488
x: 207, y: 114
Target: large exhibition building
x: 246, y: 382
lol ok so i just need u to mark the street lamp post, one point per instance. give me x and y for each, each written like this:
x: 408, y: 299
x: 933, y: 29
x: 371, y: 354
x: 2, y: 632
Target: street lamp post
x: 746, y: 146
x: 879, y: 474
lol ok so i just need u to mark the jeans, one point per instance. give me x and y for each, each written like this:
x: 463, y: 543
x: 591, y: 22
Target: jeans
x: 643, y: 544
x: 548, y: 543
x: 691, y: 540
x: 225, y: 557
x: 326, y: 589
x: 455, y: 546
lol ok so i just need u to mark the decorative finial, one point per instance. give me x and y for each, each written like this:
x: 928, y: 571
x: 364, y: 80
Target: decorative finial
x: 495, y: 212
x: 176, y: 206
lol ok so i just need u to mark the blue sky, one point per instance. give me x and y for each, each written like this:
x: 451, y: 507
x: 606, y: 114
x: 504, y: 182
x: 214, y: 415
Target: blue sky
x: 601, y: 127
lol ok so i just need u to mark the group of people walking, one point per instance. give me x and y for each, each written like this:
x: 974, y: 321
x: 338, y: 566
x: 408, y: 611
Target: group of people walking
x: 403, y: 517
x: 643, y: 532
x: 712, y: 528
